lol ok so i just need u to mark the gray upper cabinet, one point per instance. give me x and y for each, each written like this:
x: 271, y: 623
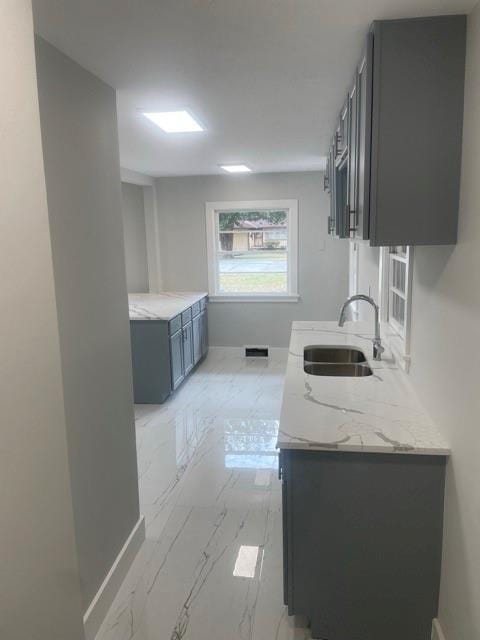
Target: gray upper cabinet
x: 336, y: 181
x: 404, y: 135
x: 364, y: 132
x: 352, y: 159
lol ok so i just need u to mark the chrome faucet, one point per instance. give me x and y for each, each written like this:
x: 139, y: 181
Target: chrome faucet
x: 377, y: 343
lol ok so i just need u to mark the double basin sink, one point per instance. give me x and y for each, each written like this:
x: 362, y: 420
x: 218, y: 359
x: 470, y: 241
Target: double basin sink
x: 335, y: 361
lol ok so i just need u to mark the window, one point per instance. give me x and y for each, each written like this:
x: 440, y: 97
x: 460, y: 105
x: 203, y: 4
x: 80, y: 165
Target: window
x: 396, y: 283
x: 252, y: 250
x: 397, y: 288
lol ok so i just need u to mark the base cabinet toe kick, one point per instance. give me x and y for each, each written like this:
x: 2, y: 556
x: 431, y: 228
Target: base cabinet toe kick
x: 362, y: 542
x: 164, y: 352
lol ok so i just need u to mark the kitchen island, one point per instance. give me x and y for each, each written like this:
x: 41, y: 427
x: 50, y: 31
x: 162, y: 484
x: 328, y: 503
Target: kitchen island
x: 169, y: 334
x: 363, y: 471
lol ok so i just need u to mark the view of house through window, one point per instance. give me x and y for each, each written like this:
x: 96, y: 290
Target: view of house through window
x: 252, y: 251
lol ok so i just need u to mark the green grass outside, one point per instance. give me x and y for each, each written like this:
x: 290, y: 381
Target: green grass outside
x: 260, y: 255
x: 253, y: 282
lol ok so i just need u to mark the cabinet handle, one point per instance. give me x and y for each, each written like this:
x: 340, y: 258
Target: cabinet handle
x: 347, y: 220
x: 353, y: 227
x: 338, y: 142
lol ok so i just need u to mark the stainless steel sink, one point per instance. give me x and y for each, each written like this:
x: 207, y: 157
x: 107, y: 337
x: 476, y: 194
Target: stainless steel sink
x: 317, y: 353
x: 335, y: 361
x: 337, y: 369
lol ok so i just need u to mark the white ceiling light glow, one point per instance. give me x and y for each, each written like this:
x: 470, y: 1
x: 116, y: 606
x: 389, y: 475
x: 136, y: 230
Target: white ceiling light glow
x: 235, y: 168
x: 246, y: 562
x: 174, y: 121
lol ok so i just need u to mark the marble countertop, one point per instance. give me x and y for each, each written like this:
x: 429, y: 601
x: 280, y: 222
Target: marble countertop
x: 161, y: 306
x: 377, y: 413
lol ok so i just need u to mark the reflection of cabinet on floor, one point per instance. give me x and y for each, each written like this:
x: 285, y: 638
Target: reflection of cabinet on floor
x: 164, y: 352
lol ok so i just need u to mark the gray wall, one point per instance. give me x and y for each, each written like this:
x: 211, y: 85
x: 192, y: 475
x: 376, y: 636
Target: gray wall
x: 79, y: 131
x: 445, y: 348
x: 135, y: 237
x: 323, y: 262
x: 40, y: 594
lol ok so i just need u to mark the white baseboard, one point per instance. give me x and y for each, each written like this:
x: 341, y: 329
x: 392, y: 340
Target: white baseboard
x: 104, y: 597
x: 437, y: 633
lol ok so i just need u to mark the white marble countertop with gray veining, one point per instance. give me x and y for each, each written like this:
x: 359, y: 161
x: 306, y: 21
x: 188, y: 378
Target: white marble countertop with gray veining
x: 161, y: 306
x: 377, y: 413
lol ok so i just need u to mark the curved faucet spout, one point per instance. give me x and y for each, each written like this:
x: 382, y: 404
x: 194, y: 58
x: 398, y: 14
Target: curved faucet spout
x: 377, y: 343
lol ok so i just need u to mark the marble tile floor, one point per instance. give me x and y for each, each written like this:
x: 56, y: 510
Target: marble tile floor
x: 211, y: 565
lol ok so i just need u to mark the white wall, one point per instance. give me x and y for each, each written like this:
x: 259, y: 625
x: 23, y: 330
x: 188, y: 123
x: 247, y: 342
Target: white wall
x: 79, y: 131
x: 445, y: 356
x: 323, y: 262
x: 135, y: 238
x: 368, y: 278
x: 39, y: 587
x: 151, y: 225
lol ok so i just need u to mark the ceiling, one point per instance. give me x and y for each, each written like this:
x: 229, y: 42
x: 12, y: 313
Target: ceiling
x: 266, y: 78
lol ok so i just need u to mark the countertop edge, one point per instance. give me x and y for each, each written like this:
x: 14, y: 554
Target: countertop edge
x: 194, y: 297
x: 300, y: 446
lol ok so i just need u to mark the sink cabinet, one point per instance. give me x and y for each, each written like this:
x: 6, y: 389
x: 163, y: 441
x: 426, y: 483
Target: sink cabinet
x: 362, y: 542
x: 394, y: 163
x: 164, y: 352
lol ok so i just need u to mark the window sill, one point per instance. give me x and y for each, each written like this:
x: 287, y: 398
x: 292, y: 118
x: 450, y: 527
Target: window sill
x: 253, y: 298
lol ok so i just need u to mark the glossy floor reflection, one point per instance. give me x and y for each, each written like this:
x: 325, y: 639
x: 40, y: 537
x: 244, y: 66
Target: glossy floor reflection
x: 211, y: 567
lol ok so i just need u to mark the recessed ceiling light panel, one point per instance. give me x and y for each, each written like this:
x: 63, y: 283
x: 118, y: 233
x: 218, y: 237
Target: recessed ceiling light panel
x: 235, y: 168
x: 174, y: 121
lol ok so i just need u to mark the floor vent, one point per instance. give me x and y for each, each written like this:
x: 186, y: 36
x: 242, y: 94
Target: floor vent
x: 256, y: 352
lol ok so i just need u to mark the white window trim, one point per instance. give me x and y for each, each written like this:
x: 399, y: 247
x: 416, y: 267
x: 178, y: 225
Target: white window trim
x: 398, y: 343
x: 292, y: 250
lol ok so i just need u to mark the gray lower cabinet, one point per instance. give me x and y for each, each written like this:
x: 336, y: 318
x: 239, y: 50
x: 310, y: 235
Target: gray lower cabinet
x: 151, y: 361
x: 187, y: 348
x: 204, y: 332
x: 176, y: 358
x: 362, y: 542
x: 197, y: 338
x: 165, y: 352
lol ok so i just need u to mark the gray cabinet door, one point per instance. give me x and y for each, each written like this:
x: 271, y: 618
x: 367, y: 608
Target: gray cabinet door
x: 364, y: 119
x: 341, y: 200
x: 187, y: 348
x: 352, y: 158
x: 204, y: 332
x: 417, y: 115
x: 342, y: 223
x: 331, y: 181
x: 176, y: 358
x: 197, y: 338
